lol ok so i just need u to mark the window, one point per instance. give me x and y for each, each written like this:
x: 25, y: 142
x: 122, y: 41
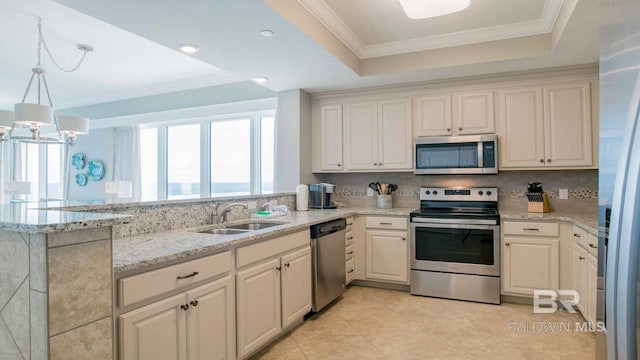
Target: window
x: 231, y: 157
x: 227, y: 155
x: 39, y: 164
x: 183, y: 161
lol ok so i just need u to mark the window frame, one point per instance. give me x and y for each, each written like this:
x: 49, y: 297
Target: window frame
x: 255, y: 185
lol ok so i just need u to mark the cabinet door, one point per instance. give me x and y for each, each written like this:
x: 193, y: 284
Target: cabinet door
x: 395, y: 140
x: 296, y: 286
x: 567, y: 123
x: 521, y: 133
x: 258, y: 306
x: 386, y: 255
x: 331, y: 137
x: 530, y: 263
x: 433, y: 115
x: 155, y: 332
x: 474, y: 113
x: 361, y: 136
x: 211, y: 321
x: 580, y: 276
x: 592, y: 290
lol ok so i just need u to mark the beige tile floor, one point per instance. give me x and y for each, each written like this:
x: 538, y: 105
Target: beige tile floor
x: 369, y: 323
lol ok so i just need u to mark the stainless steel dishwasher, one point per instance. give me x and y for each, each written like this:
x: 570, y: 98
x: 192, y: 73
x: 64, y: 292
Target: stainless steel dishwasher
x: 327, y: 247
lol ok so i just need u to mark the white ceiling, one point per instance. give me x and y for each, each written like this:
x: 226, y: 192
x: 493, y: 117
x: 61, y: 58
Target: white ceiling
x: 135, y: 44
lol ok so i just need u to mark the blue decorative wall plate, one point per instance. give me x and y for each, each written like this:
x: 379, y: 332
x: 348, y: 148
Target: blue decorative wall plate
x: 81, y: 179
x: 96, y: 170
x: 77, y: 161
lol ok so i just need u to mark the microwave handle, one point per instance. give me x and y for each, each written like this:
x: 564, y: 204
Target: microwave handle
x: 480, y: 154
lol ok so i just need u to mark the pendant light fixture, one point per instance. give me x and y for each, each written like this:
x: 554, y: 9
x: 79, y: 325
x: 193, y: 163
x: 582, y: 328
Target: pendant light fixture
x: 37, y: 115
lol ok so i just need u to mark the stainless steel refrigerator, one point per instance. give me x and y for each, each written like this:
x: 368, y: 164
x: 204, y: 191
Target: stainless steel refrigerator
x: 619, y: 180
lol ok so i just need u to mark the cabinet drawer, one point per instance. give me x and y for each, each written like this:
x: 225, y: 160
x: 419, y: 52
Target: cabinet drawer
x: 348, y: 238
x: 531, y: 228
x: 592, y: 245
x: 350, y: 267
x: 136, y: 288
x: 349, y: 223
x: 268, y: 248
x: 378, y: 222
x: 348, y: 252
x: 579, y: 236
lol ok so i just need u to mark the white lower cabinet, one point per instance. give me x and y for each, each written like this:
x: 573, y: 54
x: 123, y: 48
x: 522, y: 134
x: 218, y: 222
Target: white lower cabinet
x: 195, y: 325
x: 271, y: 294
x: 592, y: 290
x: 585, y: 272
x: 580, y: 275
x: 531, y: 257
x: 386, y: 249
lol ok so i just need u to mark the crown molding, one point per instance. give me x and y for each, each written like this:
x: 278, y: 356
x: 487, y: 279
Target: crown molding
x: 544, y: 24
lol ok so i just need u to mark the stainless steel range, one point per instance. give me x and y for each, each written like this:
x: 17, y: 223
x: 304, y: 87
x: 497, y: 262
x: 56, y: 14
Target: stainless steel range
x: 455, y: 244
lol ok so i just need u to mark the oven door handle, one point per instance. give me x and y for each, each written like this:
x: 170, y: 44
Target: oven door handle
x: 417, y: 226
x: 421, y: 221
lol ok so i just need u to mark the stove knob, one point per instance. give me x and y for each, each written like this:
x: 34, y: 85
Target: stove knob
x: 480, y: 192
x: 488, y: 193
x: 435, y: 192
x: 427, y: 192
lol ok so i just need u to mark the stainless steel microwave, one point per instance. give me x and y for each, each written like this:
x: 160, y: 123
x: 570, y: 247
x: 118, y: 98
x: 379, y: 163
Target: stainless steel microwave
x: 473, y: 154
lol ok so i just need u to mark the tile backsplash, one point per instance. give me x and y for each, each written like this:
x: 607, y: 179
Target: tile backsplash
x: 351, y: 189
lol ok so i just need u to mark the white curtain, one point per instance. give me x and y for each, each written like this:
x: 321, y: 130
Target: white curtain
x: 127, y: 157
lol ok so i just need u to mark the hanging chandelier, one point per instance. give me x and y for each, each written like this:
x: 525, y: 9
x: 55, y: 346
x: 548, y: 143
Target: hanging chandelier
x: 38, y: 115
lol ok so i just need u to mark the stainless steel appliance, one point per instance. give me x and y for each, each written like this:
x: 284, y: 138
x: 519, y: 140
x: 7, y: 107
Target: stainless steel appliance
x: 476, y: 154
x: 328, y: 257
x: 619, y: 181
x: 320, y: 196
x: 455, y: 244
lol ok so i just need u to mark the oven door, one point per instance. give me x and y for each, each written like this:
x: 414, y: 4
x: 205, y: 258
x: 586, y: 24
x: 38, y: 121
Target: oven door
x: 456, y: 248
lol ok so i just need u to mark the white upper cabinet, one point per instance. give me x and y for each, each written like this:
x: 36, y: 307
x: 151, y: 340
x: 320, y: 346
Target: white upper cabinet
x: 546, y: 126
x: 378, y: 135
x: 567, y: 124
x: 395, y: 139
x: 331, y: 138
x: 432, y: 115
x: 474, y: 112
x: 361, y: 136
x: 521, y: 127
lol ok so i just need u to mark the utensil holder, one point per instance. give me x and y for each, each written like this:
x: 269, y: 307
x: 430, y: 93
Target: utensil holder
x: 385, y: 202
x: 538, y: 206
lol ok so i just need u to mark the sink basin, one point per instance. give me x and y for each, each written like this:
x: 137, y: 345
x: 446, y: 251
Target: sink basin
x: 224, y: 231
x: 254, y: 226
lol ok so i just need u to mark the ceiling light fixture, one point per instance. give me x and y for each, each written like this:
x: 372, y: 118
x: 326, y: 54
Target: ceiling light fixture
x: 189, y: 48
x: 422, y: 9
x: 36, y: 115
x: 266, y: 32
x: 260, y: 79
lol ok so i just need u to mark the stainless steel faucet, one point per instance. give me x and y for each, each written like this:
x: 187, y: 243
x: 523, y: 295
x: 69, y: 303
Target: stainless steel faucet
x: 227, y: 208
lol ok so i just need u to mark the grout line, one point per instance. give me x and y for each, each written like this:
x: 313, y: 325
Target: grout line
x: 78, y: 327
x: 12, y: 338
x: 15, y: 292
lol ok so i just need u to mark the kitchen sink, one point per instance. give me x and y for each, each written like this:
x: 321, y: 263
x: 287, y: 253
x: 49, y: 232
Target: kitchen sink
x: 224, y: 231
x: 254, y: 226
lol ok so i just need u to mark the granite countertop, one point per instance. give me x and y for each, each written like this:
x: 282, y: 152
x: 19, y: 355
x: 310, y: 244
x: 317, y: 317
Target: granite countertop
x: 26, y: 217
x: 136, y: 252
x: 582, y: 212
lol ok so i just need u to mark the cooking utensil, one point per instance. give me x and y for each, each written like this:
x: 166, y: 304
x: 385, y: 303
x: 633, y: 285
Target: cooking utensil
x: 374, y: 187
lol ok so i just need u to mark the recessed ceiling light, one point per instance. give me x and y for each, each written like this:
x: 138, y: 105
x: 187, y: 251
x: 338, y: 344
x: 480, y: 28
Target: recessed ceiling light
x: 260, y: 79
x: 189, y: 48
x: 266, y: 32
x: 420, y: 9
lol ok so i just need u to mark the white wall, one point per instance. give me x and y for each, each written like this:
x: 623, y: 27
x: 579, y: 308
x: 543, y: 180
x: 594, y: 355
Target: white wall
x: 293, y: 140
x: 97, y: 145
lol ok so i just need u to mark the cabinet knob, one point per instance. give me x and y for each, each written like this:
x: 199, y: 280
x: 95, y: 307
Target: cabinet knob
x: 194, y: 303
x: 286, y: 265
x: 541, y: 160
x: 350, y: 271
x: 350, y: 252
x: 581, y: 258
x: 593, y: 246
x: 576, y: 235
x: 548, y: 160
x: 448, y: 129
x: 459, y: 129
x: 375, y: 164
x: 278, y: 268
x: 339, y: 165
x: 507, y: 244
x: 184, y: 307
x: 380, y: 164
x: 404, y: 238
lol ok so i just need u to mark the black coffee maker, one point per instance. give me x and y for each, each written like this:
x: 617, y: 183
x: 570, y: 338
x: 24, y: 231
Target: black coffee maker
x: 320, y: 196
